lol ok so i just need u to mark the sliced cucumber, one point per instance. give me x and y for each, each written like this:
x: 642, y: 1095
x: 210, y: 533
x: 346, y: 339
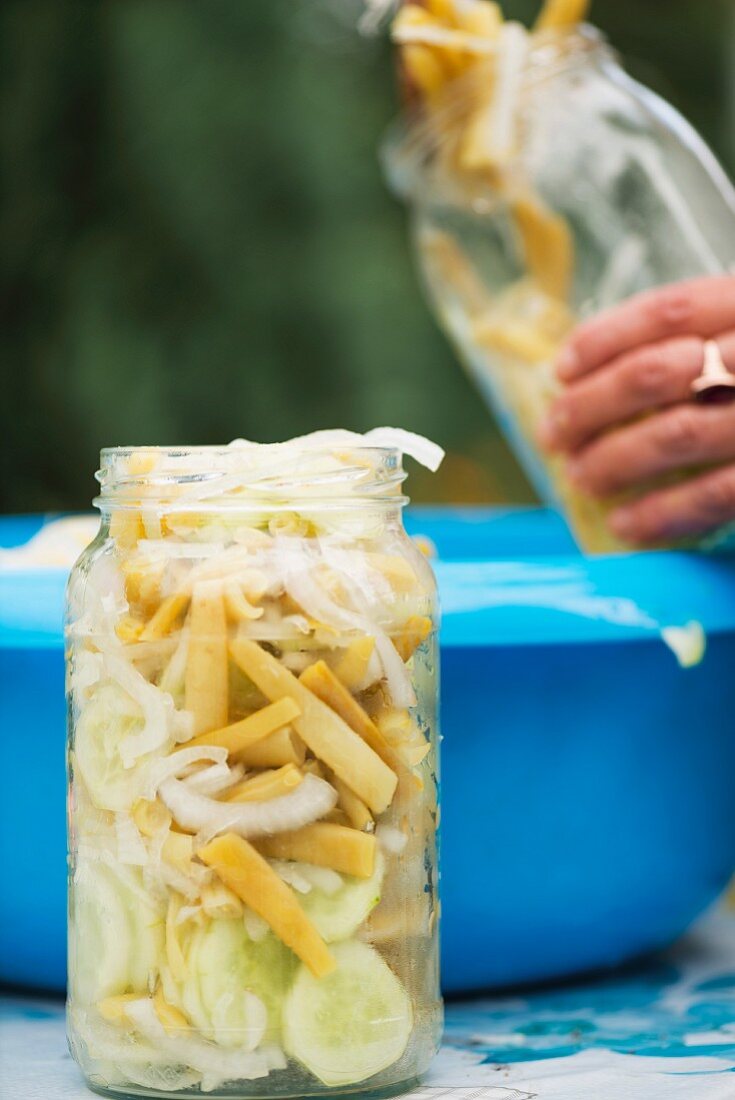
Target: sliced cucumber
x: 353, y: 1023
x: 148, y: 922
x: 119, y: 931
x: 338, y: 916
x: 184, y: 992
x: 109, y: 716
x: 100, y: 935
x: 235, y: 987
x: 191, y: 993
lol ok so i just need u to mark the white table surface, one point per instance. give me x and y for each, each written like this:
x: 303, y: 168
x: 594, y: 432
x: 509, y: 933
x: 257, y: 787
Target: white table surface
x: 665, y: 1031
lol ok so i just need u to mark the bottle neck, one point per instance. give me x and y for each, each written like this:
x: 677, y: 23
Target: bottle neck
x: 285, y: 488
x: 411, y: 150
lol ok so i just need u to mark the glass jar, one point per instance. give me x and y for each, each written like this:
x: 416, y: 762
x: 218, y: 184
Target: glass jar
x: 601, y: 190
x: 252, y: 683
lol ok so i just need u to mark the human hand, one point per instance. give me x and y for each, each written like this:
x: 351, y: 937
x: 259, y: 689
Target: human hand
x: 641, y: 358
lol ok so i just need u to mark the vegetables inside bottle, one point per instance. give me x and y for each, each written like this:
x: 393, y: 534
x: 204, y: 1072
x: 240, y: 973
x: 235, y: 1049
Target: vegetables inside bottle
x: 252, y: 682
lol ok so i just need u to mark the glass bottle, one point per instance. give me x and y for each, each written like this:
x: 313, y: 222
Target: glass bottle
x: 603, y: 191
x: 252, y: 681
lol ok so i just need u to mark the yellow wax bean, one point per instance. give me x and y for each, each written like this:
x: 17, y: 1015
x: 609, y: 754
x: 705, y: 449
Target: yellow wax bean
x: 252, y: 878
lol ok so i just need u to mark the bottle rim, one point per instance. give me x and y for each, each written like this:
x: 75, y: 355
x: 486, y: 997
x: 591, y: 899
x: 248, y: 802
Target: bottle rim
x: 251, y: 478
x: 413, y: 138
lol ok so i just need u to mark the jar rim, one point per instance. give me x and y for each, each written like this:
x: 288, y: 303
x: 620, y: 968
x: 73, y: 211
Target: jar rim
x: 306, y: 472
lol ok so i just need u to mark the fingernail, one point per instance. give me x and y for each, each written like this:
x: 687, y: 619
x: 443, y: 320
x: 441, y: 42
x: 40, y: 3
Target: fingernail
x: 622, y: 523
x: 567, y: 363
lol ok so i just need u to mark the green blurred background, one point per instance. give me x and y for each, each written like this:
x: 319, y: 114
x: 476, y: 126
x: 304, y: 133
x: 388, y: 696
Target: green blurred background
x: 197, y: 243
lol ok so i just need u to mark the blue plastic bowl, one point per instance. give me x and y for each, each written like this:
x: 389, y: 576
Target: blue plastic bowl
x: 588, y: 810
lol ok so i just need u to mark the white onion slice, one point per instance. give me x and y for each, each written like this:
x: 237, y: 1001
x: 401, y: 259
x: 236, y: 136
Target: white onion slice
x: 188, y: 912
x: 255, y: 1020
x: 86, y: 670
x: 321, y: 878
x: 131, y: 849
x: 312, y: 799
x: 216, y: 1064
x: 157, y: 708
x: 304, y: 588
x: 163, y: 877
x: 396, y: 673
x: 421, y: 449
x: 290, y: 873
x: 215, y: 779
x: 306, y: 591
x: 171, y: 766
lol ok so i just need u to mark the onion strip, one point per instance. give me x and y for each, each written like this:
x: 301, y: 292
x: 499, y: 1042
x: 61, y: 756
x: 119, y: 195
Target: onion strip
x: 173, y: 765
x: 217, y: 1065
x: 312, y: 799
x: 157, y: 708
x: 214, y: 780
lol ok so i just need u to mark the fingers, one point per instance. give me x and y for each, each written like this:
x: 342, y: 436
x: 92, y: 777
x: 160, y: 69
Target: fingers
x: 695, y: 507
x: 685, y: 436
x: 648, y: 378
x: 703, y: 307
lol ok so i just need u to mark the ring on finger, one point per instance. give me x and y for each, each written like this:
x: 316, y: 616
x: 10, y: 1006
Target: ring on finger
x: 715, y: 384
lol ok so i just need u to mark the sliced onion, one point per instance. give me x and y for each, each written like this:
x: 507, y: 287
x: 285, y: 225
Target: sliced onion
x: 154, y: 1078
x: 87, y: 669
x: 304, y: 588
x: 157, y: 708
x: 188, y: 912
x: 108, y: 1043
x: 312, y: 799
x: 255, y: 1020
x: 421, y: 449
x: 373, y: 672
x: 217, y: 1065
x: 396, y: 674
x: 131, y: 849
x: 182, y: 726
x: 163, y: 877
x: 171, y: 766
x: 290, y: 873
x: 215, y: 779
x: 321, y: 878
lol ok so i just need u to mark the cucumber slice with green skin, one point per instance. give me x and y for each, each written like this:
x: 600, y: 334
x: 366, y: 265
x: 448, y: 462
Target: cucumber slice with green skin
x: 101, y: 939
x: 338, y: 916
x: 109, y: 716
x: 235, y: 987
x: 351, y: 1024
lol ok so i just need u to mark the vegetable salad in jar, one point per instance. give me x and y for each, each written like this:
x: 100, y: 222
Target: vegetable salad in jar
x: 544, y: 185
x: 252, y: 681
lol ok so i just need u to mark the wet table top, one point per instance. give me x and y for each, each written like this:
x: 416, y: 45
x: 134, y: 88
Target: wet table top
x: 662, y: 1031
